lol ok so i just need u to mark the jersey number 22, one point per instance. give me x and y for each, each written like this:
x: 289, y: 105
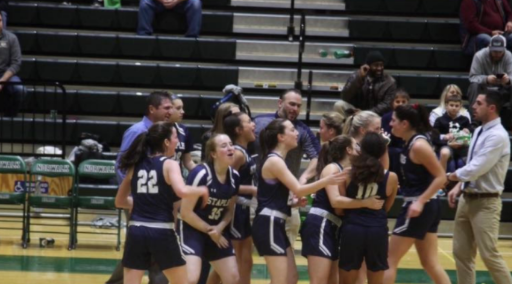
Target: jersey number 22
x: 145, y: 185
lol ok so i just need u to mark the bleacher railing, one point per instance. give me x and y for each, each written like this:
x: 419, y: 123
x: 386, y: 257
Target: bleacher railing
x: 39, y: 128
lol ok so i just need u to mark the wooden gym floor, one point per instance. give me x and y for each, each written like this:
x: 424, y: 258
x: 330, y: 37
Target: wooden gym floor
x: 95, y: 258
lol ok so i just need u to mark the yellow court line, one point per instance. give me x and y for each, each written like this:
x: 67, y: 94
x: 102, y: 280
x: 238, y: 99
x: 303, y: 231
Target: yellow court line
x: 446, y: 254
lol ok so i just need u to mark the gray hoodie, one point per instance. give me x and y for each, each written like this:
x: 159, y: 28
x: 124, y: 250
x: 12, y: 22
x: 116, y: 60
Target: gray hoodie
x: 483, y: 66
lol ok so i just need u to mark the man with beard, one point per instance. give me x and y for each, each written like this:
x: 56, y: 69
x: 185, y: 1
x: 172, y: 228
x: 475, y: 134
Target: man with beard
x: 289, y: 108
x: 492, y: 66
x: 369, y: 88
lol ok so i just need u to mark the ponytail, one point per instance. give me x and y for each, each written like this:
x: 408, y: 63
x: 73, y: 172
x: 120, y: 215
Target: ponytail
x: 366, y: 167
x: 416, y: 115
x: 136, y: 152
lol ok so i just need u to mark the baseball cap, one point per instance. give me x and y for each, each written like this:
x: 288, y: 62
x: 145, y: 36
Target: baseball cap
x: 498, y: 43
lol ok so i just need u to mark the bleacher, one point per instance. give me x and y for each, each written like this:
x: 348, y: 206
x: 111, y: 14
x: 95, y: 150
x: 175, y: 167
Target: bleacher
x: 106, y: 68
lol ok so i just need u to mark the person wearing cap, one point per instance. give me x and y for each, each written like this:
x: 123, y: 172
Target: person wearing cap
x: 492, y: 66
x: 370, y: 88
x: 482, y: 19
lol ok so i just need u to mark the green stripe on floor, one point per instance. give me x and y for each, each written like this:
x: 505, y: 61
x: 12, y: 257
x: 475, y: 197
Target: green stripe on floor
x: 106, y: 266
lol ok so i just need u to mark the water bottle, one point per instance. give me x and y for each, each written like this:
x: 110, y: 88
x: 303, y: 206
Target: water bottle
x: 322, y: 53
x: 340, y: 53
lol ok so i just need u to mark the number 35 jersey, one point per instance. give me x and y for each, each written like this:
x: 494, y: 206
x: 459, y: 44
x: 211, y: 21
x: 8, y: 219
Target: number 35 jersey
x: 153, y: 198
x: 220, y: 193
x: 365, y: 216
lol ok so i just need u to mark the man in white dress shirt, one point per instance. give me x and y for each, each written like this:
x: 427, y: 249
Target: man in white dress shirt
x: 477, y: 220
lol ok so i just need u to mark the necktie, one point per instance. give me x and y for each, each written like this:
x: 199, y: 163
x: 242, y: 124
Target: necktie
x: 466, y: 184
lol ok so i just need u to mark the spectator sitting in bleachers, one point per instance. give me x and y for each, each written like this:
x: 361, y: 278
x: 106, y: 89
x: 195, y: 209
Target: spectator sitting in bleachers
x: 369, y: 88
x: 492, y: 66
x: 482, y: 19
x: 191, y: 8
x: 449, y: 90
x: 447, y: 127
x: 11, y: 96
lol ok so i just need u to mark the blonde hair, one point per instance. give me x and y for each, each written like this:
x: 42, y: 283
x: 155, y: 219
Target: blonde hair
x: 210, y: 147
x: 334, y: 121
x: 445, y: 93
x: 358, y: 121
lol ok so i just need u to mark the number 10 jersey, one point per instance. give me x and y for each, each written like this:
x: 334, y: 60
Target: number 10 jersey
x: 153, y: 198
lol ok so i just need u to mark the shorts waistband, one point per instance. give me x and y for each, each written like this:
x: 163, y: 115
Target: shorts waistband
x: 326, y: 214
x: 273, y: 213
x: 155, y: 225
x: 471, y: 195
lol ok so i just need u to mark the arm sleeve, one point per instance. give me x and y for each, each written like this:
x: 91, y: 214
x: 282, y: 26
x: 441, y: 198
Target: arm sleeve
x: 352, y: 87
x: 475, y: 75
x: 469, y: 18
x: 484, y: 160
x: 15, y: 51
x: 311, y: 144
x: 436, y: 139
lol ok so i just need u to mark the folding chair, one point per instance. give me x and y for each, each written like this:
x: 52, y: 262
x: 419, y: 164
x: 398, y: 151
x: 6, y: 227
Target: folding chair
x: 98, y: 170
x: 52, y: 199
x: 13, y: 193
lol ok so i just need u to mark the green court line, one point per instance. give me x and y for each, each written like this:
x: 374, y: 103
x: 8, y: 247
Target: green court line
x: 106, y: 266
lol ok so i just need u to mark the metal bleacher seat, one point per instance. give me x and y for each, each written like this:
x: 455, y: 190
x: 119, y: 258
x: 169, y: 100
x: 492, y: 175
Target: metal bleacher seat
x: 61, y: 70
x: 219, y: 49
x: 441, y: 7
x: 368, y: 29
x: 131, y: 102
x: 137, y: 73
x: 401, y: 30
x: 97, y: 44
x: 97, y: 72
x: 27, y: 40
x: 413, y: 57
x: 451, y: 59
x: 217, y: 77
x: 178, y: 75
x: 424, y: 86
x: 137, y: 46
x: 25, y: 14
x: 92, y: 17
x: 191, y: 105
x: 444, y: 31
x: 97, y: 102
x: 107, y: 130
x: 62, y: 43
x: 56, y: 15
x: 176, y: 47
x: 28, y: 72
x: 402, y: 6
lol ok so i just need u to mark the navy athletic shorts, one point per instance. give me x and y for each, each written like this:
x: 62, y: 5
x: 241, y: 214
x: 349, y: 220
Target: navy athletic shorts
x: 142, y: 243
x: 319, y: 237
x: 194, y: 242
x: 240, y: 227
x: 418, y: 227
x: 269, y: 235
x: 358, y: 243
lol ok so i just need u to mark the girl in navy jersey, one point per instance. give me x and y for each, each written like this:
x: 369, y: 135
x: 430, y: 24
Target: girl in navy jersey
x: 155, y: 183
x: 319, y: 231
x: 364, y: 234
x: 240, y: 128
x: 202, y: 229
x: 185, y: 144
x: 422, y: 176
x: 275, y: 182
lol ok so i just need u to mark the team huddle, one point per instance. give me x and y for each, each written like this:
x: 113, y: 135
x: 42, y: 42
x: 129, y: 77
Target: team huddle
x: 179, y: 224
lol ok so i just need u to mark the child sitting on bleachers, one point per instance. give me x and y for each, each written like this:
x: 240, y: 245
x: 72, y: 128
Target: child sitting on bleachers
x: 395, y: 146
x: 451, y: 132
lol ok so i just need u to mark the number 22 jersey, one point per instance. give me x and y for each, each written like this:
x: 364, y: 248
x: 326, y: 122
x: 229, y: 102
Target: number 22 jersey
x: 220, y: 193
x: 152, y: 197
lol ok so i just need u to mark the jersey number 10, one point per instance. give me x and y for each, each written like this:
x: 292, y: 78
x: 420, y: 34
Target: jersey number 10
x: 143, y: 184
x: 364, y: 192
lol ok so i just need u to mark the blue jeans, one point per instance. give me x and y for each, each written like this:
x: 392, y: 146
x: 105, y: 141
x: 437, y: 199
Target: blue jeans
x: 11, y: 97
x: 480, y: 41
x: 191, y: 8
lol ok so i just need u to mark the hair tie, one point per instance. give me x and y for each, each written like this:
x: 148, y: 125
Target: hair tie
x: 415, y: 106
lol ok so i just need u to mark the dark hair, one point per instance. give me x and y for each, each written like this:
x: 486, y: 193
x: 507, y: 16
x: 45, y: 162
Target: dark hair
x: 453, y: 98
x: 402, y: 93
x: 333, y: 151
x: 231, y: 124
x: 366, y: 167
x: 155, y: 99
x: 151, y: 141
x: 268, y: 136
x: 416, y: 115
x: 492, y: 97
x: 298, y: 92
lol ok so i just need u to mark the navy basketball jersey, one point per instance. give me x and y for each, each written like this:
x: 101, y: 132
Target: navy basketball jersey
x: 272, y: 194
x: 415, y: 178
x: 322, y: 198
x: 220, y: 193
x: 366, y: 216
x: 185, y: 144
x: 247, y: 170
x: 153, y: 198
